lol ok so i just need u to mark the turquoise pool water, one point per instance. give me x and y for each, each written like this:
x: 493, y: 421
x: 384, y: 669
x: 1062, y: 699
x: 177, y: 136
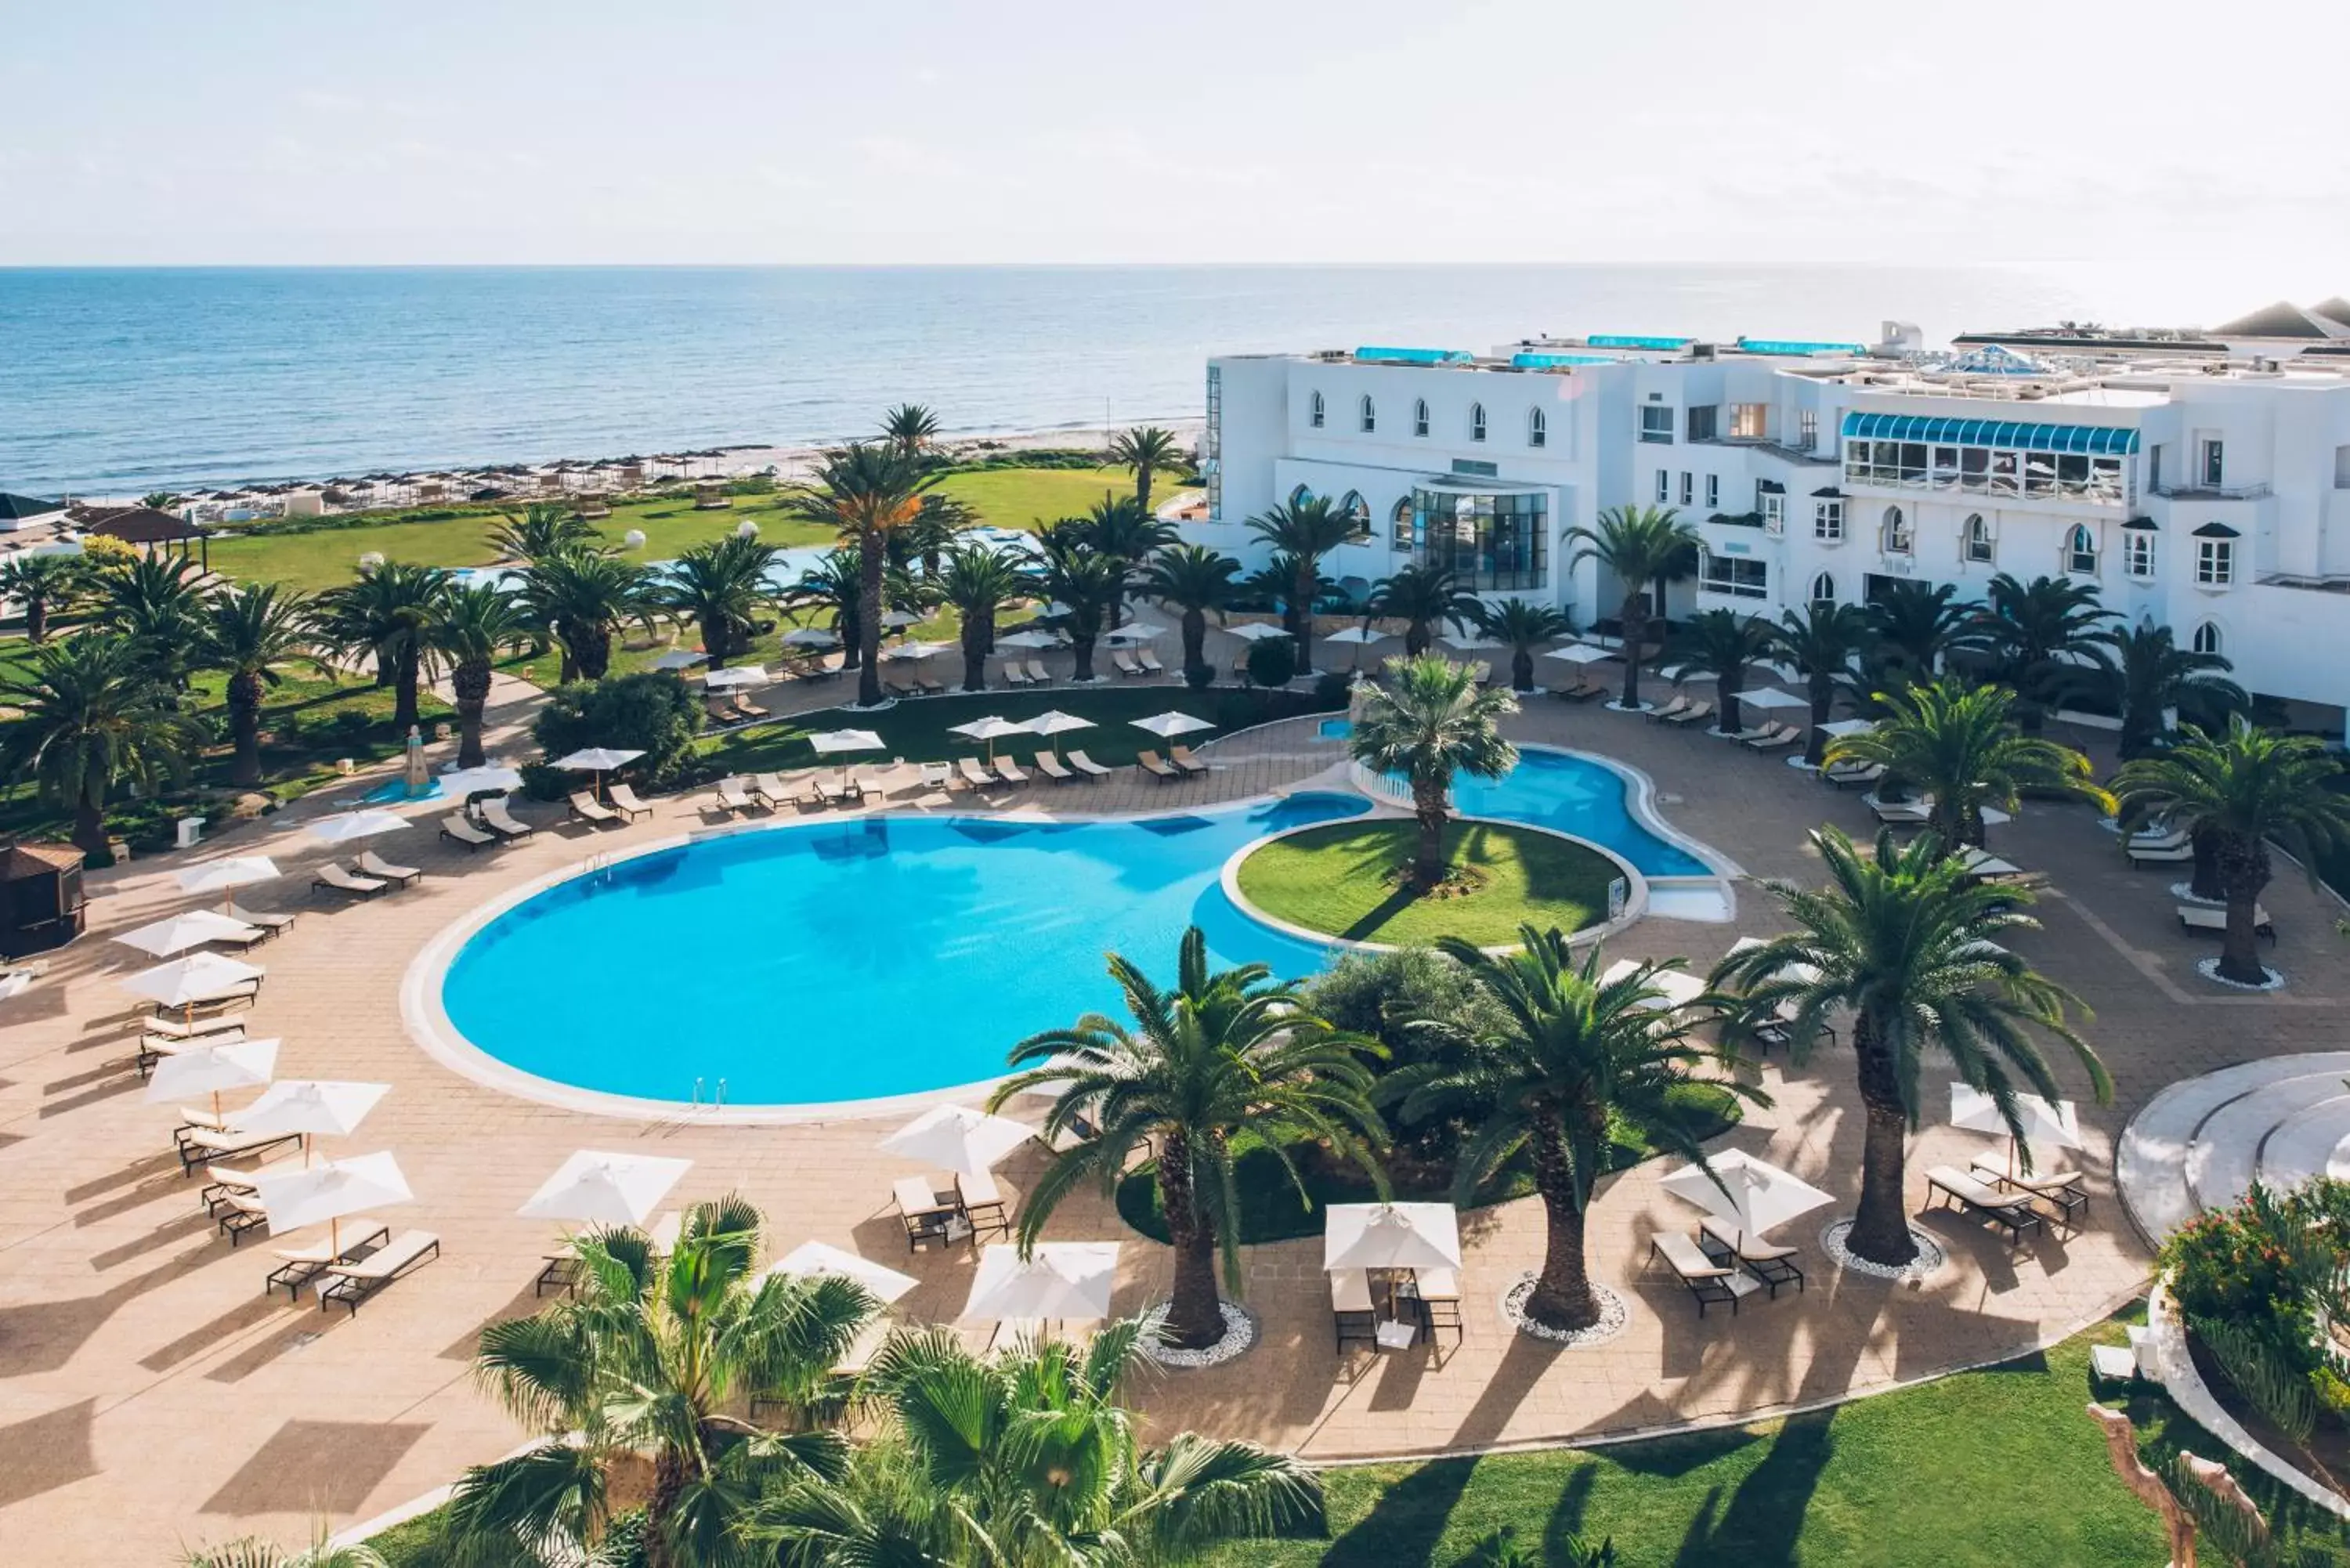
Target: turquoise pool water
x: 1552, y: 789
x: 1334, y: 729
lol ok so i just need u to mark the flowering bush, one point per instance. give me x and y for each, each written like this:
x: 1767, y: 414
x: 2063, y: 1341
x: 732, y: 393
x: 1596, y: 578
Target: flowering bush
x: 2262, y: 1275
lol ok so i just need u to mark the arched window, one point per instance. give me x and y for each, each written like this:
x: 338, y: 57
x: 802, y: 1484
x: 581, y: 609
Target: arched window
x: 1419, y: 416
x: 1399, y: 520
x: 1370, y: 413
x: 1358, y: 516
x: 1300, y: 496
x: 1537, y: 428
x: 2207, y: 639
x: 1976, y: 540
x: 1313, y: 411
x: 1824, y: 589
x: 2081, y: 550
x: 1476, y: 421
x: 1895, y: 538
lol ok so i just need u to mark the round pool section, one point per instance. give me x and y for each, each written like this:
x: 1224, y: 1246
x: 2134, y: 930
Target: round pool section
x: 1582, y: 797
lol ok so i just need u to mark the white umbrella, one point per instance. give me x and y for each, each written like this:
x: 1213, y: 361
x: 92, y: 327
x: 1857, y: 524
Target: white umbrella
x: 989, y: 727
x: 1983, y: 863
x: 1804, y: 972
x: 809, y: 637
x: 914, y: 650
x: 190, y: 979
x: 467, y: 782
x: 958, y: 1139
x: 353, y: 824
x: 311, y: 1108
x: 1169, y: 725
x: 735, y: 677
x: 901, y: 617
x: 1772, y: 697
x: 1053, y: 721
x: 1140, y: 627
x: 1844, y: 729
x: 1390, y: 1236
x: 595, y: 760
x: 1028, y: 639
x: 1132, y: 634
x: 598, y: 1189
x: 1059, y: 1280
x: 327, y: 1193
x: 1057, y: 607
x: 1993, y: 817
x: 178, y: 933
x: 1358, y: 634
x: 829, y: 743
x: 1255, y: 631
x: 680, y: 659
x: 814, y: 1259
x: 209, y: 1069
x: 1580, y: 653
x: 1673, y: 988
x: 220, y: 876
x: 1760, y: 1196
x: 2047, y: 1123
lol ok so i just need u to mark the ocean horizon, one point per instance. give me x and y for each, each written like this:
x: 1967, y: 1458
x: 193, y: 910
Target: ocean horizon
x: 121, y: 380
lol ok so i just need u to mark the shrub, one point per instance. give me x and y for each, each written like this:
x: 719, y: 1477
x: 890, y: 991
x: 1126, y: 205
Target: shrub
x: 2263, y: 1373
x: 1373, y: 994
x: 1331, y: 689
x: 103, y: 550
x: 1200, y: 676
x: 651, y: 711
x: 1272, y: 661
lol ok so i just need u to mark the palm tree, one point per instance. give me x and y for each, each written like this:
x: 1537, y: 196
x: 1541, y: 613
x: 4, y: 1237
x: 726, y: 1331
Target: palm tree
x: 2154, y: 677
x: 932, y: 532
x: 1430, y: 721
x: 1563, y: 1062
x: 642, y: 1370
x: 1821, y: 643
x: 1222, y: 1051
x: 2240, y: 789
x: 1194, y: 580
x: 835, y: 588
x: 540, y: 531
x: 247, y: 633
x: 93, y: 717
x: 979, y: 583
x: 1917, y: 623
x: 384, y: 614
x: 864, y: 493
x: 722, y: 585
x: 1085, y: 580
x: 1145, y: 450
x: 1521, y: 624
x: 1912, y: 948
x: 1423, y: 597
x: 254, y: 1552
x: 910, y: 428
x: 2048, y: 637
x: 474, y: 624
x: 158, y: 603
x: 159, y: 500
x: 1721, y: 643
x: 1117, y: 526
x: 45, y: 586
x: 1304, y: 530
x: 583, y: 598
x: 1959, y: 744
x: 1640, y: 544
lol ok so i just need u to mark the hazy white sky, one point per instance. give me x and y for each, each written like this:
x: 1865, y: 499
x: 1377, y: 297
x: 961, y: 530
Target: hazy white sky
x: 2152, y: 138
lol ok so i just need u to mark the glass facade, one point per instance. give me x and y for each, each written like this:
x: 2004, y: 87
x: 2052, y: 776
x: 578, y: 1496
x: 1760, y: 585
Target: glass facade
x: 1990, y: 457
x: 1212, y: 444
x: 1493, y: 541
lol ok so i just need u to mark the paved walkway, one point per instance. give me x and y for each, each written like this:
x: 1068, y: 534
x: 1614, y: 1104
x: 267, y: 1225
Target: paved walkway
x: 149, y: 1394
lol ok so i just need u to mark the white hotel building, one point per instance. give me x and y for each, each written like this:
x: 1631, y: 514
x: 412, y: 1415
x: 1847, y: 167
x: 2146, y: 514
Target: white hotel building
x: 2204, y: 482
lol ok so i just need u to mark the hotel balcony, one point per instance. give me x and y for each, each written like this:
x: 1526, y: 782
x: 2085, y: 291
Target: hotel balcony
x: 2173, y: 489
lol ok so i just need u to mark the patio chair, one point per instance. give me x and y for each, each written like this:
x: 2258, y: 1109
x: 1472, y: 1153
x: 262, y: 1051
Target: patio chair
x: 973, y: 772
x: 1013, y: 675
x: 1050, y: 766
x: 220, y: 1180
x: 1352, y: 1314
x: 771, y: 788
x: 1010, y: 772
x: 825, y: 791
x: 1902, y: 812
x: 250, y: 940
x: 903, y: 693
x: 334, y: 879
x: 1772, y: 1264
x: 202, y: 1146
x: 2154, y: 839
x: 1438, y: 1291
x: 983, y: 1206
x: 1579, y: 692
x: 1759, y: 732
x: 919, y: 1209
x: 352, y: 1283
x: 930, y: 687
x: 1037, y: 674
x: 1704, y: 1278
x: 376, y: 866
x: 244, y: 992
x: 1673, y: 708
x: 2214, y: 918
x: 274, y: 923
x: 733, y: 795
x: 1182, y: 758
x: 236, y: 1213
x: 1092, y: 770
x: 722, y: 712
x: 2061, y: 1187
x: 752, y: 713
x: 623, y: 799
x: 457, y: 830
x: 500, y: 819
x: 1787, y: 736
x: 299, y: 1265
x: 1124, y: 662
x: 1695, y: 714
x: 2142, y: 856
x: 2015, y: 1215
x: 1149, y: 661
x: 1851, y: 775
x: 209, y: 1031
x: 1152, y: 763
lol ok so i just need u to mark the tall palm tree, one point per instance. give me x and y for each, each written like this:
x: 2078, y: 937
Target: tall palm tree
x: 1907, y: 943
x: 1721, y: 643
x: 1821, y: 643
x: 1430, y: 721
x: 1560, y: 1063
x: 864, y: 493
x: 1521, y: 625
x: 979, y: 582
x: 835, y: 588
x: 158, y: 603
x: 248, y: 633
x: 644, y: 1369
x: 583, y: 598
x: 1194, y: 579
x: 910, y: 428
x: 1219, y: 1051
x: 1959, y: 744
x: 383, y: 614
x: 45, y: 586
x: 1116, y: 526
x: 93, y: 718
x: 1917, y: 623
x: 723, y: 585
x: 940, y: 518
x: 2240, y: 788
x: 1304, y: 530
x: 1145, y: 450
x: 1639, y: 544
x: 1085, y: 580
x: 542, y: 530
x: 2154, y: 677
x: 1423, y: 597
x: 475, y: 625
x: 2047, y: 635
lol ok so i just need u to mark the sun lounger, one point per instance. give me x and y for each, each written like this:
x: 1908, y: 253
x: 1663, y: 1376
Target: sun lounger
x: 1013, y: 675
x: 332, y: 875
x: 1787, y: 736
x: 1093, y: 771
x: 457, y: 830
x: 751, y: 711
x: 373, y: 865
x: 1671, y: 709
x: 2159, y: 838
x: 930, y: 687
x: 2164, y: 855
x: 1123, y: 663
x: 723, y: 711
x: 273, y: 924
x: 2060, y: 1188
x: 1578, y: 691
x: 1437, y: 1294
x: 1772, y: 1264
x: 1705, y: 1280
x: 1050, y: 766
x: 1149, y: 661
x: 586, y: 808
x: 623, y: 799
x: 1037, y: 674
x: 1353, y: 1314
x: 1902, y: 812
x: 733, y: 794
x: 1482, y: 672
x: 236, y: 1213
x: 202, y: 1146
x: 1182, y: 758
x: 2214, y: 918
x: 220, y: 1180
x: 1696, y: 713
x: 771, y: 788
x: 300, y: 1265
x: 352, y: 1283
x: 1150, y: 763
x: 1010, y: 772
x: 983, y: 1206
x: 207, y: 1031
x: 502, y: 820
x: 1851, y: 775
x: 926, y: 1216
x: 1759, y: 732
x: 973, y: 772
x: 824, y: 790
x: 903, y: 693
x: 2013, y: 1214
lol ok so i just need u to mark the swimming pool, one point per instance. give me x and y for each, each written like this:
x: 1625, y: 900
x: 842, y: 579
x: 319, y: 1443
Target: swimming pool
x: 1577, y: 796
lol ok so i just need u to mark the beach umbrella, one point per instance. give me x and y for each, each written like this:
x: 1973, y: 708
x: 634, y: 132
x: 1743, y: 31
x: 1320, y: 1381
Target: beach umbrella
x: 898, y: 617
x: 814, y: 1260
x: 1132, y: 634
x: 184, y: 981
x: 915, y: 651
x: 2047, y: 1123
x: 1255, y: 631
x: 464, y: 782
x: 353, y: 824
x: 680, y: 659
x: 311, y: 1106
x: 222, y: 877
x: 1844, y: 729
x: 1580, y: 653
x: 1058, y: 1280
x: 1770, y: 696
x: 956, y: 1138
x: 736, y: 677
x: 209, y: 1069
x: 1169, y: 725
x: 328, y: 1193
x: 596, y: 762
x: 1390, y: 1236
x: 1752, y: 1196
x: 1058, y: 608
x: 1028, y: 639
x: 1358, y: 635
x: 178, y: 933
x: 989, y: 727
x: 594, y: 1187
x: 1053, y: 723
x: 832, y: 742
x: 1674, y: 988
x: 1804, y: 972
x: 809, y: 637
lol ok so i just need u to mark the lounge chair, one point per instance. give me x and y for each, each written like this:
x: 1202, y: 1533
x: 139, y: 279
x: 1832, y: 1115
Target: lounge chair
x: 2061, y: 1187
x: 501, y: 820
x: 2214, y: 918
x: 973, y: 772
x: 1482, y: 672
x: 926, y: 1216
x: 1123, y: 663
x: 1182, y: 758
x: 1010, y: 772
x: 300, y: 1265
x: 1037, y: 674
x: 275, y: 923
x: 332, y: 875
x: 1013, y: 675
x: 1149, y: 661
x: 930, y: 687
x: 771, y: 788
x: 244, y: 992
x: 750, y: 712
x: 1705, y: 1280
x: 202, y: 1146
x: 1772, y: 1264
x: 733, y: 794
x: 824, y: 790
x: 1438, y: 1291
x: 1093, y: 771
x: 1050, y: 766
x: 586, y: 808
x: 722, y: 712
x: 2143, y: 856
x: 624, y: 800
x: 375, y: 865
x: 236, y: 1213
x: 352, y: 1283
x: 1671, y: 709
x: 2159, y: 838
x: 1695, y: 714
x: 934, y: 775
x: 458, y: 830
x: 1902, y: 812
x: 220, y: 1180
x: 1851, y: 775
x: 902, y: 693
x: 1578, y: 691
x: 983, y: 1207
x: 1759, y: 732
x: 2013, y: 1214
x: 206, y: 1031
x: 1150, y: 763
x: 1353, y: 1314
x: 1787, y: 736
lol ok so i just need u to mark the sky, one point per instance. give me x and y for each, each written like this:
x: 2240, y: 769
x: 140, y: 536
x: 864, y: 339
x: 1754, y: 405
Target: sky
x: 2160, y: 143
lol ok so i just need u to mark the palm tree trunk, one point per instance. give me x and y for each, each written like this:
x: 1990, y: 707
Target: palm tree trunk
x: 1880, y: 1228
x: 1823, y: 696
x: 1302, y: 607
x: 1195, y: 1316
x: 870, y: 562
x: 244, y: 727
x: 2243, y: 872
x: 1432, y: 812
x: 1083, y: 647
x: 1142, y: 477
x: 1522, y: 669
x: 1635, y: 627
x: 406, y: 677
x: 2204, y: 882
x: 668, y: 1482
x: 471, y: 684
x: 974, y: 658
x: 89, y: 827
x: 1725, y: 692
x: 1195, y: 637
x: 37, y: 621
x: 1562, y: 1297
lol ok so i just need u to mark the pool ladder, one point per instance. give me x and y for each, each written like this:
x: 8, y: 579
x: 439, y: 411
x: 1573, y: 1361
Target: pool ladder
x: 717, y: 1102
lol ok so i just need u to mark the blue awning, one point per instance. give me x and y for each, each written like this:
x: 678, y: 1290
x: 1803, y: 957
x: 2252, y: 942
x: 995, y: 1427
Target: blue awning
x: 2102, y: 440
x: 1797, y: 347
x: 1415, y: 356
x: 1553, y: 361
x: 1633, y: 340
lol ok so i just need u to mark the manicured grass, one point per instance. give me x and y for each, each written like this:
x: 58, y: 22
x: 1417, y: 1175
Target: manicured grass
x: 1026, y: 498
x: 1342, y: 879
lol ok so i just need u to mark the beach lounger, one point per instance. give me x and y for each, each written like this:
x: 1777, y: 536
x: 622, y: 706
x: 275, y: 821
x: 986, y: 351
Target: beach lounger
x: 1050, y: 766
x: 2163, y: 855
x: 501, y: 820
x: 983, y: 1207
x: 272, y: 925
x: 457, y: 830
x: 2159, y: 838
x: 352, y: 1283
x: 1010, y: 772
x: 375, y: 865
x: 244, y: 993
x: 1695, y: 714
x: 1902, y: 812
x: 236, y: 1213
x: 2060, y: 1188
x: 722, y: 712
x: 1772, y: 1264
x: 333, y: 876
x: 1037, y: 674
x: 1705, y: 1280
x: 1851, y: 775
x: 2012, y: 1213
x: 1150, y: 762
x: 926, y: 1215
x: 929, y: 686
x: 586, y: 808
x: 623, y: 799
x: 1787, y: 736
x: 1672, y: 709
x: 903, y: 693
x: 1182, y: 758
x: 1013, y: 675
x: 1149, y: 661
x: 1093, y: 771
x: 825, y: 791
x: 1353, y: 1314
x: 1578, y: 691
x: 973, y: 772
x: 1123, y: 663
x: 2214, y: 918
x: 1482, y: 672
x: 205, y: 1031
x: 299, y: 1265
x: 202, y: 1146
x: 733, y: 794
x: 220, y: 1180
x: 750, y: 712
x: 771, y: 788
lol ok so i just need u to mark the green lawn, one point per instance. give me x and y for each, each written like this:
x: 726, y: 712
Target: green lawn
x: 1342, y: 879
x: 1024, y: 498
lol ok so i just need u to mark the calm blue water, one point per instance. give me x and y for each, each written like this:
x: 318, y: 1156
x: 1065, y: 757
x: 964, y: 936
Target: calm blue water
x: 120, y: 380
x: 1551, y: 789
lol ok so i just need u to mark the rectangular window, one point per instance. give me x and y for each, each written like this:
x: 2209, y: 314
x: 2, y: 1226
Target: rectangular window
x: 2215, y: 563
x: 1494, y: 543
x: 1419, y: 418
x: 1657, y: 423
x: 1713, y: 492
x: 2138, y: 553
x: 1664, y: 487
x: 2342, y: 468
x: 1827, y: 522
x: 1807, y: 430
x: 1473, y: 466
x: 2215, y: 463
x: 1704, y: 421
x: 1689, y: 488
x: 1742, y: 576
x: 1772, y: 504
x: 1750, y: 421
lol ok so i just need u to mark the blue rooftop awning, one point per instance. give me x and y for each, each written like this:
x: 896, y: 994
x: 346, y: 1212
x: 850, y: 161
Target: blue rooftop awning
x: 1415, y: 356
x: 1556, y: 361
x: 2101, y: 440
x: 1797, y: 347
x: 1633, y: 340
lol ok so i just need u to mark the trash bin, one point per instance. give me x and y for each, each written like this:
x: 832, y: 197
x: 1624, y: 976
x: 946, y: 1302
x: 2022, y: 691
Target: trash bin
x: 190, y: 829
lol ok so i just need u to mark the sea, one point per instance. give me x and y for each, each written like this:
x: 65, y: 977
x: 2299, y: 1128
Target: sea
x: 118, y: 380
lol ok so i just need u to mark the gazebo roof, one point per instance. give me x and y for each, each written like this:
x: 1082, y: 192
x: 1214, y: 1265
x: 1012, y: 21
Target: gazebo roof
x: 16, y: 508
x: 142, y: 525
x: 19, y: 861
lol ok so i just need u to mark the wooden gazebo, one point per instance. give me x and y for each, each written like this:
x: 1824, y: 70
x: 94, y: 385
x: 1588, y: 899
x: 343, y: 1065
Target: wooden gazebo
x: 150, y: 531
x: 42, y: 903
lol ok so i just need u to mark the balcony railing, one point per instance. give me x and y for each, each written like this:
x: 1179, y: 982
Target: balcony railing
x: 2189, y: 491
